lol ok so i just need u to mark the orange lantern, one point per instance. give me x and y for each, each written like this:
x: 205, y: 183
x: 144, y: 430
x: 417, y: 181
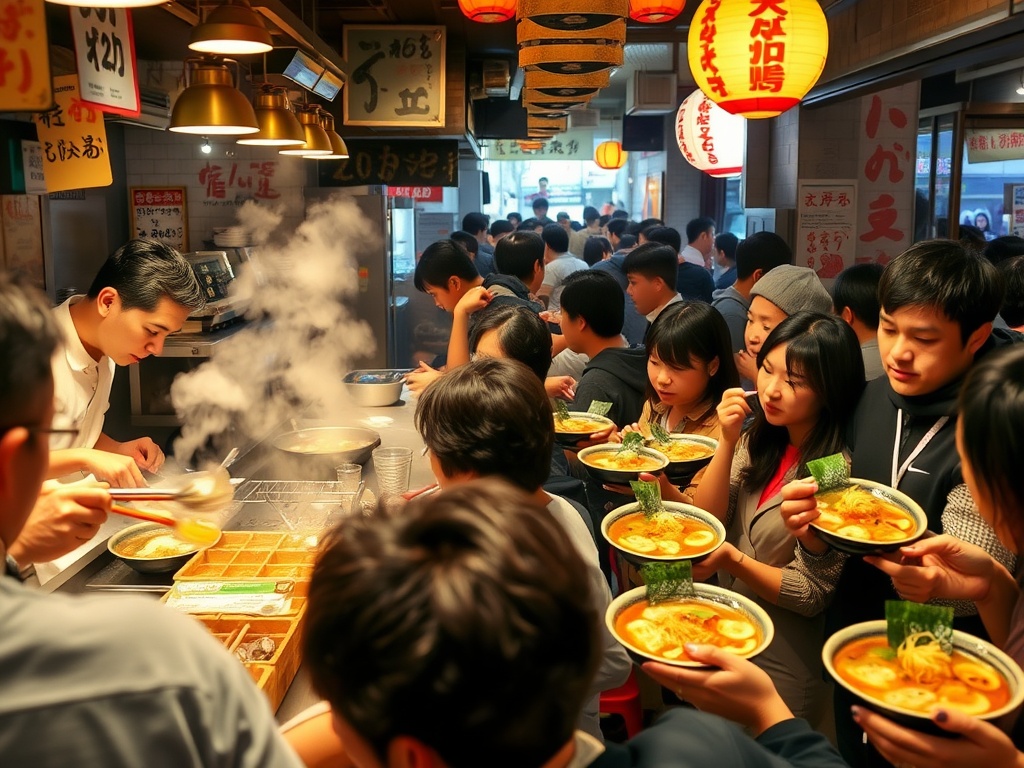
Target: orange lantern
x: 655, y: 11
x: 757, y: 58
x: 711, y: 139
x: 610, y: 155
x: 488, y: 11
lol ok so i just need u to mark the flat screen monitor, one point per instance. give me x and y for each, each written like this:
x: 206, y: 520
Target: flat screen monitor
x: 328, y: 85
x: 304, y: 70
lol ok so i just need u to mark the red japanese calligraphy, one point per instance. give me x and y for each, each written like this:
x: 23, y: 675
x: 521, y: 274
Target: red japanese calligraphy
x: 881, y: 220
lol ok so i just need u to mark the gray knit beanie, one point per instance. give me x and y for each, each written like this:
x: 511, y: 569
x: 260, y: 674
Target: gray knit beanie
x: 793, y: 289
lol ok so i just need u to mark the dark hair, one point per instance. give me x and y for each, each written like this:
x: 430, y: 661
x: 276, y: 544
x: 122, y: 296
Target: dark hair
x: 626, y: 242
x: 618, y: 213
x: 468, y: 242
x: 517, y: 216
x: 590, y: 213
x: 694, y: 329
x: 991, y: 412
x: 595, y: 248
x: 856, y: 287
x: 28, y: 338
x: 648, y: 223
x: 696, y: 227
x: 605, y: 218
x: 1004, y: 248
x: 491, y: 417
x: 1012, y: 271
x: 529, y: 225
x: 563, y: 215
x: 761, y: 250
x: 500, y: 227
x: 972, y: 238
x: 947, y: 276
x: 664, y: 235
x: 617, y: 227
x: 412, y: 608
x: 441, y: 261
x: 523, y: 336
x: 726, y: 242
x: 555, y: 238
x: 143, y: 272
x: 540, y: 202
x: 474, y: 222
x: 518, y: 253
x: 542, y: 178
x: 633, y: 228
x: 824, y: 350
x: 597, y: 298
x: 653, y: 260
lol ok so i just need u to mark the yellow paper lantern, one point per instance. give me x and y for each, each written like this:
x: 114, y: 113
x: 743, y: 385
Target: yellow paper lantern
x: 610, y: 155
x: 757, y: 58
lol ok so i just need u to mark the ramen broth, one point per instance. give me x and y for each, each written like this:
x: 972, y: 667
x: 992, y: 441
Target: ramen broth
x: 663, y: 630
x: 622, y: 461
x: 324, y: 445
x: 663, y: 534
x: 580, y: 425
x: 154, y: 545
x: 681, y: 450
x: 959, y: 681
x: 856, y: 513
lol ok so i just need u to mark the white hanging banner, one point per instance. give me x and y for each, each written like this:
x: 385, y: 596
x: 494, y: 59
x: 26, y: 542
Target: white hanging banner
x: 105, y: 51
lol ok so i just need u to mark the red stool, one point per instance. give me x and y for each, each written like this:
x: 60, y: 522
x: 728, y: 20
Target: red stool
x: 625, y: 701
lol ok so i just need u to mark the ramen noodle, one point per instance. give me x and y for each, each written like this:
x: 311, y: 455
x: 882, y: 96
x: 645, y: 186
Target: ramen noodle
x: 663, y: 535
x: 154, y: 545
x: 920, y: 676
x: 580, y: 425
x: 626, y: 461
x: 683, y: 450
x: 856, y: 513
x: 663, y: 630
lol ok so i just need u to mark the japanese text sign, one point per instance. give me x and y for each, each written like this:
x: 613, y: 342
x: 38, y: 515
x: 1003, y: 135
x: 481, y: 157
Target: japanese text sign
x: 985, y: 145
x: 571, y: 145
x: 105, y: 51
x: 397, y: 76
x: 228, y: 183
x: 74, y: 141
x: 420, y: 194
x: 24, y: 57
x: 1017, y: 225
x: 432, y: 163
x: 826, y: 225
x: 160, y: 213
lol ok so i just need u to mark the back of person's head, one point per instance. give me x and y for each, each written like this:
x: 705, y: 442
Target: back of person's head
x: 595, y: 249
x: 691, y: 332
x: 1012, y: 272
x: 516, y: 218
x: 822, y: 351
x: 946, y: 276
x: 626, y: 242
x: 591, y: 215
x: 517, y: 254
x: 617, y: 227
x: 143, y: 272
x: 605, y: 218
x: 522, y: 336
x: 468, y: 241
x: 646, y: 224
x: 528, y: 225
x: 696, y: 227
x: 633, y: 228
x: 489, y: 417
x: 761, y: 251
x: 461, y: 620
x: 972, y: 238
x: 555, y: 238
x: 540, y: 207
x: 726, y: 243
x: 597, y: 298
x: 856, y: 287
x: 441, y: 261
x: 28, y: 338
x: 563, y: 216
x: 793, y: 289
x: 500, y: 227
x: 653, y: 260
x: 618, y: 213
x: 1002, y: 248
x: 991, y: 412
x: 474, y: 223
x: 665, y: 235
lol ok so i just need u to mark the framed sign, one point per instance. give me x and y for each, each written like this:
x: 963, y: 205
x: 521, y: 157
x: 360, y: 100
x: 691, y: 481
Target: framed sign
x: 826, y: 227
x: 74, y: 139
x: 105, y: 53
x: 432, y: 163
x: 396, y: 76
x: 22, y: 237
x: 160, y: 213
x: 25, y: 67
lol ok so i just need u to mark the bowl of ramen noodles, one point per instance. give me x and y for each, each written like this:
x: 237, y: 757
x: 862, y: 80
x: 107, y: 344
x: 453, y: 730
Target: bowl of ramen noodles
x: 908, y: 682
x: 687, y: 455
x: 866, y: 517
x: 713, y: 616
x: 579, y: 426
x: 611, y: 463
x: 679, y: 532
x: 152, y: 548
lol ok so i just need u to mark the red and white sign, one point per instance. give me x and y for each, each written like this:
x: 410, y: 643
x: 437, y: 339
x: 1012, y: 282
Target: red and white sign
x: 826, y: 226
x: 105, y: 51
x: 711, y: 139
x: 423, y: 194
x: 985, y: 145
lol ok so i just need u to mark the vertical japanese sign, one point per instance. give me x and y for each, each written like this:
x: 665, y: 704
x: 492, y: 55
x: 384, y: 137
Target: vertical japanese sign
x: 397, y: 76
x: 1017, y: 225
x: 24, y: 57
x: 160, y: 213
x: 105, y: 51
x: 887, y: 148
x: 74, y: 141
x: 32, y: 162
x: 826, y: 227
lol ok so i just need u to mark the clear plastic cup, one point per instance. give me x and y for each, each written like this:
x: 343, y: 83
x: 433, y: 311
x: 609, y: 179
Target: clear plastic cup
x: 349, y: 476
x: 393, y: 467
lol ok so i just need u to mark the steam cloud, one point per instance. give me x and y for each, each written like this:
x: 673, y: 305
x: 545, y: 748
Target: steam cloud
x: 301, y: 339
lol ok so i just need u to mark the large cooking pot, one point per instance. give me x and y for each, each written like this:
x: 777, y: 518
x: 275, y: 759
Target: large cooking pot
x: 321, y: 449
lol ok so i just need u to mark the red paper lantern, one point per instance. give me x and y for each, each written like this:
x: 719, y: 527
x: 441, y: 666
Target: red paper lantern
x: 610, y: 155
x: 488, y: 11
x: 655, y: 11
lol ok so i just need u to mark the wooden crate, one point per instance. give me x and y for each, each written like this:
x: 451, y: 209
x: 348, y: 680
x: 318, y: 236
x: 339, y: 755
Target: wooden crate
x: 253, y: 556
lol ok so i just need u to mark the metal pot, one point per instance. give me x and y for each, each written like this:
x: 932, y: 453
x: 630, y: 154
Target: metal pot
x: 315, y: 443
x: 375, y: 388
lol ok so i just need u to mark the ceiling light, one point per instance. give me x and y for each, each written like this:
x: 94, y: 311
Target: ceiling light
x: 1020, y: 88
x: 211, y: 104
x: 317, y: 144
x: 339, y: 150
x: 278, y: 125
x: 109, y: 3
x: 234, y: 29
x: 205, y: 147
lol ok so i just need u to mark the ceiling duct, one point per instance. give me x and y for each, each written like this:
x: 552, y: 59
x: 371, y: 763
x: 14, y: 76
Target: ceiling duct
x: 651, y: 93
x: 496, y: 79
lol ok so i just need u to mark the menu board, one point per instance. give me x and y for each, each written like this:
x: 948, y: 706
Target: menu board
x: 105, y: 52
x: 160, y: 213
x: 74, y: 140
x: 826, y: 227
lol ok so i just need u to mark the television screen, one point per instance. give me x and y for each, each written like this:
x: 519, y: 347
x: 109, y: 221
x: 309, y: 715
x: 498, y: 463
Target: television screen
x: 304, y: 70
x: 643, y: 134
x: 328, y: 85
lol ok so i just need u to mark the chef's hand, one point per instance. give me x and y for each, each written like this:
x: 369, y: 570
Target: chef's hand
x: 64, y: 516
x: 119, y: 470
x: 419, y: 379
x: 145, y: 452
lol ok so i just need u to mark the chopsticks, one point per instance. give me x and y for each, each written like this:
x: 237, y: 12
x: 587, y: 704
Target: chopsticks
x: 142, y: 514
x: 238, y: 640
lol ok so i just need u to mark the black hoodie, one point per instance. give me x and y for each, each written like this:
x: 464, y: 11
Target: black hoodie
x: 510, y: 291
x: 617, y: 376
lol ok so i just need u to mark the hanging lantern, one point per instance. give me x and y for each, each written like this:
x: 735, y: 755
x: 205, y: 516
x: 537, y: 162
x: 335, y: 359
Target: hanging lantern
x: 571, y: 57
x: 711, y: 139
x: 610, y: 155
x: 573, y: 15
x: 591, y: 82
x: 529, y: 29
x: 757, y: 59
x: 655, y: 11
x: 488, y: 11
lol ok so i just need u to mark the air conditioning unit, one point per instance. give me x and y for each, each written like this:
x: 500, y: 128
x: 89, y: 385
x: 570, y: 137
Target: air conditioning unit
x: 584, y: 118
x: 156, y: 110
x: 651, y: 93
x: 496, y: 78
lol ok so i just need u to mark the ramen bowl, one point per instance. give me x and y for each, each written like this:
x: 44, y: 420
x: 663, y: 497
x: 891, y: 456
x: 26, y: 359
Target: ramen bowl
x: 375, y: 388
x: 702, y: 533
x: 748, y: 623
x: 844, y: 540
x: 151, y: 548
x: 681, y: 471
x: 877, y: 698
x: 600, y: 461
x: 570, y: 436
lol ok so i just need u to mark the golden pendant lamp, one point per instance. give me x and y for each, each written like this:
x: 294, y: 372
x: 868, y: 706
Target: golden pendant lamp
x: 278, y: 125
x: 234, y: 29
x: 339, y: 150
x: 317, y: 143
x: 211, y: 105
